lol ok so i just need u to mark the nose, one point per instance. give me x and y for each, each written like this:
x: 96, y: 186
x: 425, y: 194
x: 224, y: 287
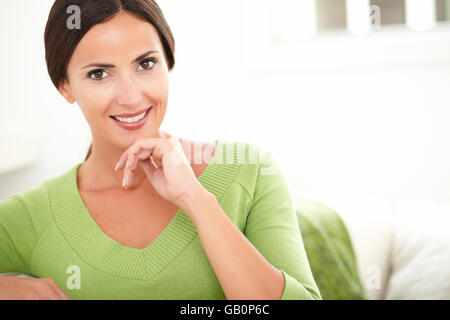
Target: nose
x: 128, y: 92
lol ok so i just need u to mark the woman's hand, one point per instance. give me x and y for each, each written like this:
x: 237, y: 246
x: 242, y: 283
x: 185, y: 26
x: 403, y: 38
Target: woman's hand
x: 165, y: 165
x: 15, y: 288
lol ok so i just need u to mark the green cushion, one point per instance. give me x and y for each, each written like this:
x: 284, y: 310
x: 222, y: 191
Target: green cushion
x: 329, y: 250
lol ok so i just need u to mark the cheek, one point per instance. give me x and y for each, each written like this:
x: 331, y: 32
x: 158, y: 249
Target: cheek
x: 96, y: 99
x: 160, y: 89
x: 156, y: 90
x: 94, y: 112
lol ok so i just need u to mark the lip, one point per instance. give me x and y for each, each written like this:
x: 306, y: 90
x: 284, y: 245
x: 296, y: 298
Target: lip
x: 135, y: 125
x: 130, y: 115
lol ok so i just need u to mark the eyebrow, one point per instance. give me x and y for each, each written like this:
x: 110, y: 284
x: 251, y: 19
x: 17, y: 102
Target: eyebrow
x: 106, y: 65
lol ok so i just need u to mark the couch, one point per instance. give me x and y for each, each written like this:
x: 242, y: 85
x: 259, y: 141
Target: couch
x: 402, y: 248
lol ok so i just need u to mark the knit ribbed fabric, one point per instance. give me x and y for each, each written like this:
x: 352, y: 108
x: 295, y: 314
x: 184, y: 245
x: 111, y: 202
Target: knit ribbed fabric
x: 48, y: 232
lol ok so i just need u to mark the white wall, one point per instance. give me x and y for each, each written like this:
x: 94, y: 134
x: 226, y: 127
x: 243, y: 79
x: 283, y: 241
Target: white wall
x: 378, y: 130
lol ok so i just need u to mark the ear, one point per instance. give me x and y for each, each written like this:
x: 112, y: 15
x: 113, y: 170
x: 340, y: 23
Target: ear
x: 65, y: 91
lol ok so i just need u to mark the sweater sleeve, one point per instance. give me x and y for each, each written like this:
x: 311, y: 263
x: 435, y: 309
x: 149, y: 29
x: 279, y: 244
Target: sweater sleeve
x: 17, y: 236
x: 273, y: 229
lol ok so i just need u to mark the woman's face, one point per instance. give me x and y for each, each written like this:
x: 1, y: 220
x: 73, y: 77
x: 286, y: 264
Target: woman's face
x: 127, y: 85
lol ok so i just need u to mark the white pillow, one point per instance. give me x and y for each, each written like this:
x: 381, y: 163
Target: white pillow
x: 420, y: 253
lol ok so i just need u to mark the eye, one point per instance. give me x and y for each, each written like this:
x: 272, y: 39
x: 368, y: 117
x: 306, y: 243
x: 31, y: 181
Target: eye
x: 147, y: 64
x: 97, y: 74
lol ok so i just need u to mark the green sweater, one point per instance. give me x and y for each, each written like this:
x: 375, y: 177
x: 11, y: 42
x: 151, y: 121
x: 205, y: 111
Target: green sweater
x: 47, y: 232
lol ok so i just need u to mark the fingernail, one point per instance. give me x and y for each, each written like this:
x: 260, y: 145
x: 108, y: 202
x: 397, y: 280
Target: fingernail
x: 123, y: 184
x: 128, y: 163
x: 116, y: 166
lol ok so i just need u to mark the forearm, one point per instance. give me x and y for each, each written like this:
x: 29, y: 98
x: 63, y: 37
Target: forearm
x: 240, y: 268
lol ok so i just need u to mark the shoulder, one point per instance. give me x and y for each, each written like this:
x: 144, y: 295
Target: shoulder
x: 255, y: 162
x: 25, y: 200
x: 35, y: 203
x: 29, y: 209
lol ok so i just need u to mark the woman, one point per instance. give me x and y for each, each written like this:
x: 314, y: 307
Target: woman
x: 137, y: 219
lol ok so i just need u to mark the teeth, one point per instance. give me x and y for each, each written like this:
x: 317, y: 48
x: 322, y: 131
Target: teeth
x: 131, y: 120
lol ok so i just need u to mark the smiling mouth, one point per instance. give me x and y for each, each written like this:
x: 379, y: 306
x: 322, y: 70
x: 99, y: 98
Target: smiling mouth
x: 134, y: 119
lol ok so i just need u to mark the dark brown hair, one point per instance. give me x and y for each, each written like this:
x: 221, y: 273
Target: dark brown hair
x: 61, y: 41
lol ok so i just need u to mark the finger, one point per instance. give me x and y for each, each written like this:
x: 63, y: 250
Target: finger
x: 156, y: 164
x: 47, y: 293
x: 121, y: 161
x: 61, y: 293
x: 159, y: 151
x: 148, y: 168
x: 141, y: 155
x: 130, y: 160
x: 127, y: 178
x: 157, y: 146
x: 57, y: 290
x: 132, y: 163
x: 124, y: 161
x: 134, y: 149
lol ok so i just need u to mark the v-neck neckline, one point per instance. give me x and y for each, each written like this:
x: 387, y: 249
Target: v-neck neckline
x: 95, y: 247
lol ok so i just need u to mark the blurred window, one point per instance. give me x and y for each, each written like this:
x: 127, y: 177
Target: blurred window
x: 330, y: 14
x: 302, y: 19
x: 392, y: 11
x: 443, y: 10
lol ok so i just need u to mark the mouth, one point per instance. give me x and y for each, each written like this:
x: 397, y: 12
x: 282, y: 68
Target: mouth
x: 130, y: 117
x: 132, y: 122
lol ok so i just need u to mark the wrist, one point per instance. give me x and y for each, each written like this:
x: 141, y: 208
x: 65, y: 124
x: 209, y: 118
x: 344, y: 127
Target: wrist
x: 196, y: 201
